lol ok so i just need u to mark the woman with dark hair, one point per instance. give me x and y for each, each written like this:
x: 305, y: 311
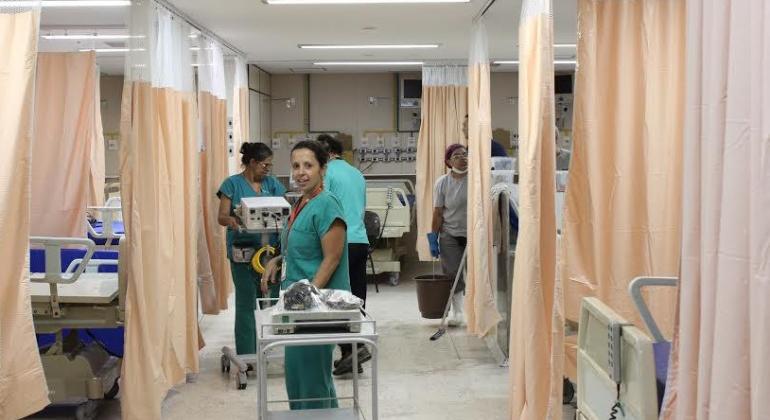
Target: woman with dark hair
x: 448, y: 236
x: 253, y: 181
x: 313, y: 247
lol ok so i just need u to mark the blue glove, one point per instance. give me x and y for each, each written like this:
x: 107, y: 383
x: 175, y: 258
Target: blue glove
x: 433, y: 242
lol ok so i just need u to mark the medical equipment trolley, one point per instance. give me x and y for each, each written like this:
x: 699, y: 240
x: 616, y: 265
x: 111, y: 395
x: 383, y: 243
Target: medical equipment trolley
x: 314, y: 333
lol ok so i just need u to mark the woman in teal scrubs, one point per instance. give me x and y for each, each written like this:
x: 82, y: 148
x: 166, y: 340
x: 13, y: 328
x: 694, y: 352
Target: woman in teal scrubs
x: 314, y: 248
x: 254, y: 181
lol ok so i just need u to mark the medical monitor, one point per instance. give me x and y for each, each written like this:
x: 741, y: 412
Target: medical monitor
x: 411, y: 93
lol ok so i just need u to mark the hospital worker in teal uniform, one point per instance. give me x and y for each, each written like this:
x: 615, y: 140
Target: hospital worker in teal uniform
x: 313, y: 247
x: 253, y: 181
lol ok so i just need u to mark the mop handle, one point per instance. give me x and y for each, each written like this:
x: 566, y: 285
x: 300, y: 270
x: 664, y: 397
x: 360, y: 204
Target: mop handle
x: 460, y: 270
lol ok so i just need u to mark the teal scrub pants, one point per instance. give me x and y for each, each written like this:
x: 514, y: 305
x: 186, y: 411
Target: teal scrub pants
x: 247, y: 291
x: 309, y: 375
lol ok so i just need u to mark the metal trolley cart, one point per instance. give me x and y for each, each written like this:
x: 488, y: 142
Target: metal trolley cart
x: 264, y: 216
x: 324, y: 332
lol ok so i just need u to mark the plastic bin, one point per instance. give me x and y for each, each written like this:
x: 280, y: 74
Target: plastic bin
x: 432, y: 294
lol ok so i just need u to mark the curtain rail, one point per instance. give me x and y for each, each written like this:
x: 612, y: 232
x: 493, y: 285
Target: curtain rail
x: 483, y: 10
x: 203, y: 30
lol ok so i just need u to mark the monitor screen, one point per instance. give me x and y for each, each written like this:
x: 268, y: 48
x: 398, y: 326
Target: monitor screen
x: 411, y: 89
x: 563, y: 84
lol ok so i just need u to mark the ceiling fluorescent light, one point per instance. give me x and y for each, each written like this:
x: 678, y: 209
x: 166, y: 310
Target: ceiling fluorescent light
x: 79, y: 3
x: 564, y: 45
x: 289, y: 2
x: 109, y: 50
x: 365, y: 46
x: 85, y: 37
x: 517, y: 62
x: 369, y: 63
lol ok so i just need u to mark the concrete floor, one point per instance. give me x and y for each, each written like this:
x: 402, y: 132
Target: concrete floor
x: 455, y: 377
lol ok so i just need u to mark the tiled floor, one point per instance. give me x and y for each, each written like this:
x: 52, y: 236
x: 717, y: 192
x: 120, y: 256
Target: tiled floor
x: 455, y: 377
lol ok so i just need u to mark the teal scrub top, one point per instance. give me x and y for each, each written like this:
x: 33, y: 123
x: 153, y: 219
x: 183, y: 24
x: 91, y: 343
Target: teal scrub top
x: 236, y: 187
x: 349, y: 186
x: 301, y: 245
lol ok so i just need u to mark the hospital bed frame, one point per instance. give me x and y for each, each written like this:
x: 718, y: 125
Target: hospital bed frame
x: 391, y: 204
x: 111, y: 211
x: 78, y: 298
x: 638, y: 379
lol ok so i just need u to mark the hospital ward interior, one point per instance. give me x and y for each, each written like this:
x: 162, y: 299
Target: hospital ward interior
x: 385, y: 209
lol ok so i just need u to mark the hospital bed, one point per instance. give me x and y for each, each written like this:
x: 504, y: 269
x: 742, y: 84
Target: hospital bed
x: 67, y: 303
x: 615, y: 367
x: 621, y: 370
x: 661, y: 346
x: 105, y: 226
x: 405, y: 185
x: 391, y: 205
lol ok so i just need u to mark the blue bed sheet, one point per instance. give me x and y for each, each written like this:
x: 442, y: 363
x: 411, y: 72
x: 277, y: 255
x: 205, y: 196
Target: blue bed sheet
x: 117, y: 228
x: 661, y: 352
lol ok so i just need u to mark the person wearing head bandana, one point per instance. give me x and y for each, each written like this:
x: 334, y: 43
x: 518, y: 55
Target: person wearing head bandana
x: 448, y: 236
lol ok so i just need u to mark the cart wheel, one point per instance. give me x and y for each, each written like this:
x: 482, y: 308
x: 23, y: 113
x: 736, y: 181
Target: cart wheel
x: 242, y: 382
x: 393, y: 279
x: 86, y: 411
x: 225, y: 364
x: 113, y: 392
x: 568, y: 392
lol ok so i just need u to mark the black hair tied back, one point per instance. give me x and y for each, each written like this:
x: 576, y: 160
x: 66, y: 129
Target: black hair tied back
x: 256, y: 151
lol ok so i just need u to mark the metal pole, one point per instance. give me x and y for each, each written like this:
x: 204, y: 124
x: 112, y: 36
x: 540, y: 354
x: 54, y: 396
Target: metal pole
x: 355, y: 376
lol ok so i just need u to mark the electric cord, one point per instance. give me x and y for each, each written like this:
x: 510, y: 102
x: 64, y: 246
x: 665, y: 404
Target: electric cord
x: 256, y: 260
x: 389, y: 198
x: 617, y: 408
x: 367, y: 168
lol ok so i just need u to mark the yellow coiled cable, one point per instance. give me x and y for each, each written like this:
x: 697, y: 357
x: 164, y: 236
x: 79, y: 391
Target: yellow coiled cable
x: 256, y: 262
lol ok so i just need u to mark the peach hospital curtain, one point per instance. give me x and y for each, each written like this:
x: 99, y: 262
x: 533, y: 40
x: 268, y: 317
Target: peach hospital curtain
x: 240, y: 112
x: 444, y: 105
x: 212, y: 111
x: 720, y: 367
x: 480, y: 304
x: 65, y: 125
x: 97, y: 161
x: 536, y: 314
x: 23, y: 388
x: 158, y: 176
x: 623, y: 206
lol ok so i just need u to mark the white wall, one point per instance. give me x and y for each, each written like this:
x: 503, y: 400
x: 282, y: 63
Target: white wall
x: 504, y: 89
x: 340, y: 102
x: 111, y: 90
x: 259, y: 104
